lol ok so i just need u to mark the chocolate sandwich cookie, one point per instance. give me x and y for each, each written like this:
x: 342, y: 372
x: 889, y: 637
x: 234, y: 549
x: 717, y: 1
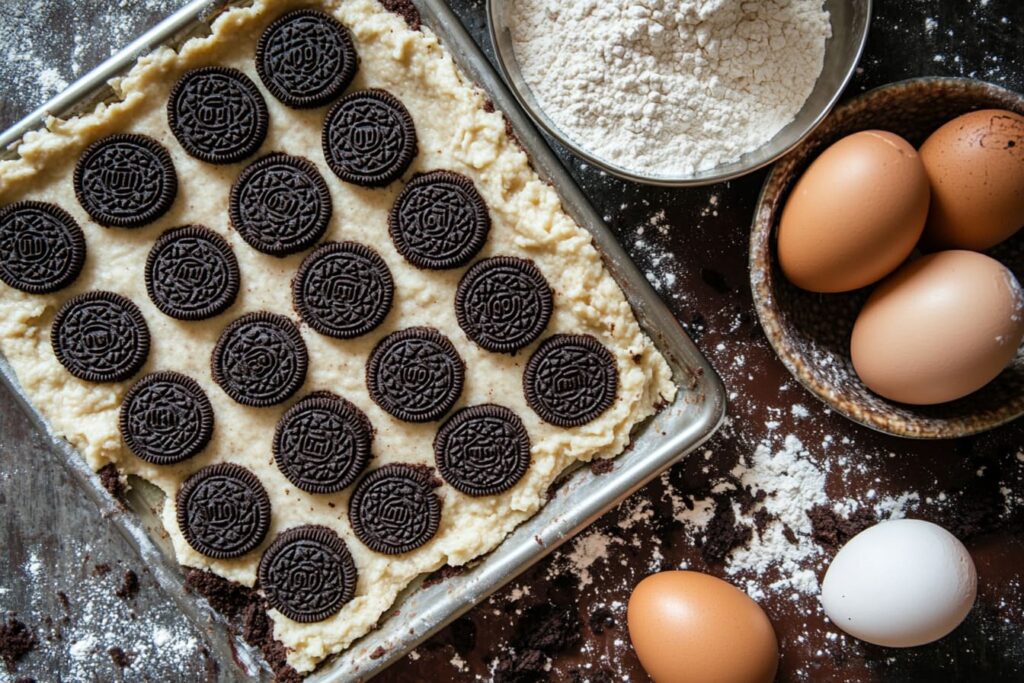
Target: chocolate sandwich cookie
x: 394, y: 509
x: 192, y: 273
x: 570, y: 380
x: 343, y: 290
x: 483, y: 450
x: 280, y: 204
x: 260, y: 360
x: 439, y: 221
x: 42, y: 248
x: 369, y: 138
x: 223, y: 511
x: 306, y: 58
x: 125, y: 181
x: 217, y: 114
x: 308, y: 574
x: 322, y: 443
x: 415, y: 374
x: 100, y: 337
x: 166, y: 418
x: 503, y: 304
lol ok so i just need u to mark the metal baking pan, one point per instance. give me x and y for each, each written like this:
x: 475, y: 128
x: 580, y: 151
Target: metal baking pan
x: 581, y: 497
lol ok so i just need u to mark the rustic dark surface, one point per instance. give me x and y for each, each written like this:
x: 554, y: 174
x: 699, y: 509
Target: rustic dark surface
x: 693, y: 245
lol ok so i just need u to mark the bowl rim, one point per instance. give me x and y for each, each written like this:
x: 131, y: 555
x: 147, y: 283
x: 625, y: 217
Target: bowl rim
x: 548, y: 126
x: 761, y: 279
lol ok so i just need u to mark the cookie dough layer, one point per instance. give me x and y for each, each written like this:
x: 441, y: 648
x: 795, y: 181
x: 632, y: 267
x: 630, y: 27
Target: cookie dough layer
x: 456, y: 133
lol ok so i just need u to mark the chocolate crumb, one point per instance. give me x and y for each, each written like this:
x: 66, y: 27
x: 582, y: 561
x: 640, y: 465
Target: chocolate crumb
x: 723, y: 533
x: 65, y: 604
x: 442, y: 574
x: 111, y: 480
x: 122, y: 659
x: 210, y: 666
x: 101, y: 569
x: 429, y: 472
x: 378, y: 653
x: 603, y: 466
x: 601, y: 620
x: 831, y: 531
x: 405, y: 9
x: 16, y: 640
x: 129, y: 587
x: 489, y: 106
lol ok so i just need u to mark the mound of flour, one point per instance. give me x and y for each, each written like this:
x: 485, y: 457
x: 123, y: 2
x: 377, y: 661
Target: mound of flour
x: 670, y: 87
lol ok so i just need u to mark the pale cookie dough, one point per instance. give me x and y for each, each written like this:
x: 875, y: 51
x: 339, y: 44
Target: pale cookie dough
x: 456, y: 132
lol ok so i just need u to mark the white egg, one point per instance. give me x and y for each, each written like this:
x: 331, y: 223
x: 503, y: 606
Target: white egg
x: 900, y: 583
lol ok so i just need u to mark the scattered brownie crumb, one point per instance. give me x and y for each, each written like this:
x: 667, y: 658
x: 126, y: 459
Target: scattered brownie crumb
x: 723, y: 533
x: 603, y: 466
x: 831, y: 531
x: 789, y: 534
x: 406, y: 10
x: 444, y: 573
x: 225, y: 596
x: 210, y: 666
x: 25, y: 679
x: 489, y: 106
x: 601, y: 620
x: 378, y: 653
x: 129, y: 587
x: 122, y: 659
x: 101, y: 569
x: 16, y: 640
x: 65, y: 604
x: 111, y: 480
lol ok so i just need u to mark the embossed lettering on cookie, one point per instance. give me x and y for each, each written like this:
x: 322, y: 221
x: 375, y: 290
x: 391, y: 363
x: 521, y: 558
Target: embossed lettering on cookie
x: 503, y: 303
x: 192, y: 273
x: 218, y: 115
x: 166, y: 418
x: 42, y: 248
x: 483, y: 450
x: 100, y: 337
x: 570, y: 380
x: 369, y: 138
x: 223, y: 511
x: 394, y: 509
x: 415, y: 374
x: 125, y: 181
x: 306, y: 58
x: 260, y: 360
x: 308, y: 574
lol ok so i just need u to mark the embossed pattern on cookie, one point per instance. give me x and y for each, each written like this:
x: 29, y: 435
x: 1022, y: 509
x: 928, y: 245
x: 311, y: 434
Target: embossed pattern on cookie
x: 100, y: 337
x: 260, y: 360
x: 322, y: 443
x: 308, y: 574
x: 217, y: 114
x: 483, y: 450
x: 439, y: 221
x: 394, y: 509
x: 280, y: 204
x: 570, y: 380
x: 369, y: 138
x: 223, y: 511
x: 503, y: 304
x: 166, y: 418
x: 42, y: 248
x: 306, y: 58
x: 343, y: 290
x: 416, y: 374
x: 192, y: 273
x: 125, y: 181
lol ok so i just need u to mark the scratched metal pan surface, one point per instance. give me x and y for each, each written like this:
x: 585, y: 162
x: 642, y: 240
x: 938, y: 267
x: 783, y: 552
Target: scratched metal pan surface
x: 580, y: 498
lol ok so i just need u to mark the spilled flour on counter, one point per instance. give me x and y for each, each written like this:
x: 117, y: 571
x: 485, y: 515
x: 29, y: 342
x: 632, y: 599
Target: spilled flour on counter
x: 670, y: 87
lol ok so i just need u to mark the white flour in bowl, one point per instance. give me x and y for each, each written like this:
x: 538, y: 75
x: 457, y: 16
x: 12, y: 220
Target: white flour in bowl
x: 670, y: 87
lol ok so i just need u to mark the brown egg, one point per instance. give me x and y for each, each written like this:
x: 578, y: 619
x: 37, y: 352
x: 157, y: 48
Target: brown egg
x: 942, y: 327
x: 855, y: 214
x: 976, y: 167
x: 688, y: 627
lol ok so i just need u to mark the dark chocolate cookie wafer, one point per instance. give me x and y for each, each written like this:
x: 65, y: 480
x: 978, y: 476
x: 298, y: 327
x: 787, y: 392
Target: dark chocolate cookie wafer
x: 308, y: 574
x: 280, y: 204
x: 100, y: 337
x: 369, y: 138
x: 42, y: 248
x: 125, y: 181
x: 217, y: 114
x: 503, y: 303
x: 570, y: 380
x: 192, y: 273
x: 439, y: 221
x: 394, y: 509
x: 306, y: 58
x: 343, y: 290
x: 260, y: 359
x: 322, y: 443
x: 223, y: 511
x: 483, y: 450
x: 415, y: 374
x: 166, y: 418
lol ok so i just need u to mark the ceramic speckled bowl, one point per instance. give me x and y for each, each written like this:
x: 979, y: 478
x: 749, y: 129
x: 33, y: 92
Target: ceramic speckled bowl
x: 811, y: 332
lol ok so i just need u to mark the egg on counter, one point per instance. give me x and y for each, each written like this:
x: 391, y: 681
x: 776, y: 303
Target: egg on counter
x: 855, y: 214
x: 688, y: 627
x: 940, y: 328
x: 975, y: 164
x: 900, y: 583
